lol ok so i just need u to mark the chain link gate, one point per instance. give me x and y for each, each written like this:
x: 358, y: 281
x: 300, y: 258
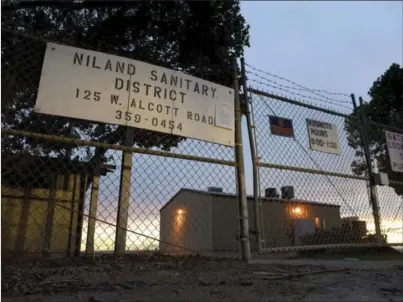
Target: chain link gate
x: 76, y: 187
x: 307, y: 198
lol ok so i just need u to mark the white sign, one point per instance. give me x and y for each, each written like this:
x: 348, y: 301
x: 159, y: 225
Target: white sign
x: 99, y: 87
x: 323, y: 137
x: 395, y: 150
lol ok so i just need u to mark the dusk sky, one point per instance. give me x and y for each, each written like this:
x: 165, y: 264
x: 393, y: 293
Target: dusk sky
x: 340, y: 46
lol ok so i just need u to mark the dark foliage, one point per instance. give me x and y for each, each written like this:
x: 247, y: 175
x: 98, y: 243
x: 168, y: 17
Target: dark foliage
x: 196, y: 37
x: 385, y: 107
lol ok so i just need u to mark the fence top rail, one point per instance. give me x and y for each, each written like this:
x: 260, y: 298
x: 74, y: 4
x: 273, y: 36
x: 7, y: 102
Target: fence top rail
x: 391, y: 128
x: 284, y: 99
x: 81, y: 142
x: 396, y: 182
x: 312, y: 171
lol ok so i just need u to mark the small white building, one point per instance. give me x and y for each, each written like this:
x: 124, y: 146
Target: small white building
x: 207, y: 221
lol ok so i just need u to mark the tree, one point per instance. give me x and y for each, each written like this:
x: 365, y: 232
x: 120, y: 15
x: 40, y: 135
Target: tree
x: 385, y: 107
x: 196, y: 37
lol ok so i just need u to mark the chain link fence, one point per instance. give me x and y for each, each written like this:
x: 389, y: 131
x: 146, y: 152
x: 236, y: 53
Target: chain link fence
x: 72, y: 186
x: 313, y: 188
x: 390, y: 198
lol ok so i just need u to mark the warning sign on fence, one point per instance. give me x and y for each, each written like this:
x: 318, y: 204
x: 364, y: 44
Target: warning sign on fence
x: 395, y: 149
x: 100, y: 87
x: 323, y: 137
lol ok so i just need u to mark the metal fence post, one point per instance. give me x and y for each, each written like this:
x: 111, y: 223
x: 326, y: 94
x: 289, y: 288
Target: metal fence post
x: 50, y: 217
x: 242, y: 199
x: 124, y: 196
x: 365, y: 144
x: 256, y: 204
x: 89, y: 248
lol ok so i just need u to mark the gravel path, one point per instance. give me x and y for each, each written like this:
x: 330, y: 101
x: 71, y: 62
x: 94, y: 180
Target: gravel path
x: 197, y: 279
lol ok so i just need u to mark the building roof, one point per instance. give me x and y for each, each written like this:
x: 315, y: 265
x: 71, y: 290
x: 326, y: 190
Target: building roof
x: 33, y: 170
x: 249, y: 197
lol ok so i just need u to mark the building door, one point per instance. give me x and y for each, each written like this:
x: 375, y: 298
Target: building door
x: 301, y: 228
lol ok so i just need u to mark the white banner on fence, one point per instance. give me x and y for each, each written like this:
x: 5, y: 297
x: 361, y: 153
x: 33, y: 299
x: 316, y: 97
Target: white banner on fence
x: 99, y: 87
x: 323, y: 137
x: 395, y: 149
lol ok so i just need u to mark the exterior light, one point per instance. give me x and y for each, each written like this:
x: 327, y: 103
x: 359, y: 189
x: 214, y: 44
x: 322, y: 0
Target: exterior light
x: 179, y: 219
x: 317, y: 222
x: 297, y: 210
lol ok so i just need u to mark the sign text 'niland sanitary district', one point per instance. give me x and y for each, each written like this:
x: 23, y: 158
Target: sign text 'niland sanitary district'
x: 323, y: 137
x: 105, y: 88
x: 395, y: 149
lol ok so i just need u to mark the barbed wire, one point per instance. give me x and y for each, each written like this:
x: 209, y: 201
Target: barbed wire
x: 297, y: 89
x: 299, y: 94
x: 298, y: 85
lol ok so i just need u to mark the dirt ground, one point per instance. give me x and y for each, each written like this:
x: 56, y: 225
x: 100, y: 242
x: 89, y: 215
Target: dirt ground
x: 202, y: 279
